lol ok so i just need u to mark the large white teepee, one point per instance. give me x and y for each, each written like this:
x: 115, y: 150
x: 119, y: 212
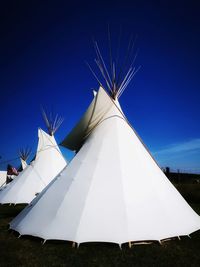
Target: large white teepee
x: 47, y: 164
x: 112, y: 191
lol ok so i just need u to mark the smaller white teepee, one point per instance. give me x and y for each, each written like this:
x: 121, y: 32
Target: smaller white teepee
x: 23, y: 163
x: 24, y: 155
x: 48, y: 163
x: 3, y: 175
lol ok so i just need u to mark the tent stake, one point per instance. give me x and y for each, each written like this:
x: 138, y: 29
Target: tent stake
x: 44, y: 241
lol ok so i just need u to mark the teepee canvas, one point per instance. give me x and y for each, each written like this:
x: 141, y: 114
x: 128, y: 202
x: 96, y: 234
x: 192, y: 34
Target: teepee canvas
x: 112, y: 191
x: 48, y: 163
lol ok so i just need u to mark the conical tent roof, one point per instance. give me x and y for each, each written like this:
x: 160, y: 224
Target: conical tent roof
x: 112, y: 191
x: 48, y: 163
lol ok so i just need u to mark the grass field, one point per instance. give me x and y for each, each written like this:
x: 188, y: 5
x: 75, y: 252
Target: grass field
x: 27, y: 251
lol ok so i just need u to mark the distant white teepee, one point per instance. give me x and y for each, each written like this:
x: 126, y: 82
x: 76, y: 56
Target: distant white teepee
x: 3, y: 175
x: 23, y: 163
x: 24, y: 154
x: 48, y: 163
x: 112, y: 191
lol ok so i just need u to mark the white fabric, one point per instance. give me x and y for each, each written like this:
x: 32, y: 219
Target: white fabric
x: 112, y: 191
x: 48, y: 163
x: 3, y: 175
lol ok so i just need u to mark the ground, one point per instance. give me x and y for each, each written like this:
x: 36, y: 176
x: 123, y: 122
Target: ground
x: 27, y: 251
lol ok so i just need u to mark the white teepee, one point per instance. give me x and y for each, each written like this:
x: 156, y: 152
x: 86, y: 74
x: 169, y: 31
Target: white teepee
x: 23, y: 163
x: 24, y: 154
x: 3, y: 175
x: 112, y: 191
x: 48, y: 163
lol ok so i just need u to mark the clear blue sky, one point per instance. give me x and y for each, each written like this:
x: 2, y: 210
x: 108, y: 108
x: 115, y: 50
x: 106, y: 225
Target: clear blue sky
x: 43, y: 48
